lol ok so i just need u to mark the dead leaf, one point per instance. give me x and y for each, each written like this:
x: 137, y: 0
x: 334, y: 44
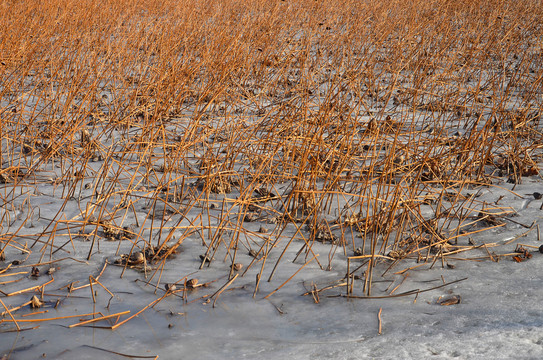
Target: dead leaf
x: 452, y: 300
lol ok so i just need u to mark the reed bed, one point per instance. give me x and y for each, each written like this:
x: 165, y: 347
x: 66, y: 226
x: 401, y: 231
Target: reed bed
x: 279, y: 136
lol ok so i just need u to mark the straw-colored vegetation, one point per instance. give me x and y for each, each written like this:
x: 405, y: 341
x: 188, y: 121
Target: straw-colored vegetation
x: 259, y: 127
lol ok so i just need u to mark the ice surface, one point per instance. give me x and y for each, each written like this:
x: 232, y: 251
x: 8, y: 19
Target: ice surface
x: 500, y: 315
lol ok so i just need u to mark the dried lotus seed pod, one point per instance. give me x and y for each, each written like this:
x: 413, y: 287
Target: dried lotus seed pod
x: 137, y: 257
x: 192, y: 283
